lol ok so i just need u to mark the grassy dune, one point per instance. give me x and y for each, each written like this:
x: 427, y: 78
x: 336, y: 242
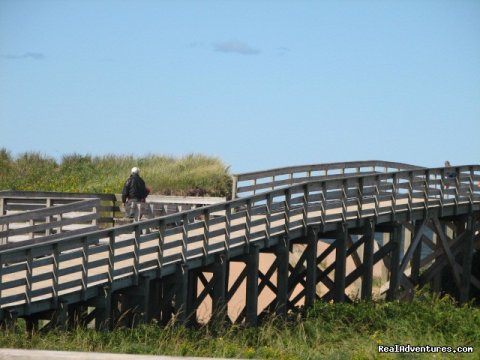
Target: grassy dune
x: 106, y: 174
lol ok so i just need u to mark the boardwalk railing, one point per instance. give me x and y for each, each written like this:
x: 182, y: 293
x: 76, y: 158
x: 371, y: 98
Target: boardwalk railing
x: 12, y: 201
x: 261, y: 181
x: 160, y: 205
x: 79, y: 215
x: 34, y: 277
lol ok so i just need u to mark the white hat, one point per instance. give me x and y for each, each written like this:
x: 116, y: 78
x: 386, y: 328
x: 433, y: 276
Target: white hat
x: 135, y: 170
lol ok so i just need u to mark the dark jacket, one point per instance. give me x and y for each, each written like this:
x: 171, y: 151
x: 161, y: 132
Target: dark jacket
x: 134, y: 189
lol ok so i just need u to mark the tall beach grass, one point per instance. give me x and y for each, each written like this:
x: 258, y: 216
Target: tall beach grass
x: 328, y: 331
x: 190, y: 174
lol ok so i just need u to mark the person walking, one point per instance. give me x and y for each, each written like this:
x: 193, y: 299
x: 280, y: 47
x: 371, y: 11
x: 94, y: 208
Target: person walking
x: 134, y: 194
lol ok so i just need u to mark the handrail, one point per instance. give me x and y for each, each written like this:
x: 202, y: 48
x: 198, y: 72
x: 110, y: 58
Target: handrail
x: 45, y: 220
x: 131, y: 249
x: 15, y: 200
x: 254, y: 182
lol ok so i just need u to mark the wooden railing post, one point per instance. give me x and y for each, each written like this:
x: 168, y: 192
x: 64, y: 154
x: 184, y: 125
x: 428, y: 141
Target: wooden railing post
x: 136, y: 255
x: 206, y: 233
x: 29, y: 280
x: 234, y: 186
x: 111, y: 256
x: 305, y: 202
x: 84, y: 266
x: 55, y: 273
x: 288, y: 200
x: 344, y: 200
x: 48, y: 218
x: 268, y: 217
x: 248, y: 223
x: 359, y: 198
x: 394, y: 196
x: 228, y: 217
x: 184, y: 237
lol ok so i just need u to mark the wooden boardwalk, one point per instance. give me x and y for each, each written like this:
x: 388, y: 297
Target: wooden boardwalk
x: 171, y: 267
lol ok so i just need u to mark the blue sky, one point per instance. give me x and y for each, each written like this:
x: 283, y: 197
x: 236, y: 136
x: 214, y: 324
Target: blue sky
x: 259, y: 84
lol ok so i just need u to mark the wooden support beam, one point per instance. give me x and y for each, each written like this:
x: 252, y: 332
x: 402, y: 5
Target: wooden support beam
x: 219, y: 304
x: 181, y: 294
x: 76, y: 315
x: 467, y: 260
x: 60, y: 316
x: 413, y: 245
x: 150, y: 299
x: 446, y: 248
x: 340, y: 263
x: 192, y: 293
x: 167, y: 292
x: 368, y: 250
x: 417, y: 253
x: 296, y: 273
x: 31, y: 325
x: 394, y: 262
x: 311, y: 276
x: 103, y: 303
x: 436, y: 283
x: 355, y: 257
x: 265, y: 279
x: 251, y: 317
x: 236, y: 285
x: 282, y: 251
x: 436, y: 266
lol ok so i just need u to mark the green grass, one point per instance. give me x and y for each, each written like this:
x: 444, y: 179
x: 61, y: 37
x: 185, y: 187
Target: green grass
x: 106, y: 174
x: 329, y: 331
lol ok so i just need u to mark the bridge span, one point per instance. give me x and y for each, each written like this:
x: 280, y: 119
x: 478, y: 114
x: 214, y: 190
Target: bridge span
x: 289, y: 237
